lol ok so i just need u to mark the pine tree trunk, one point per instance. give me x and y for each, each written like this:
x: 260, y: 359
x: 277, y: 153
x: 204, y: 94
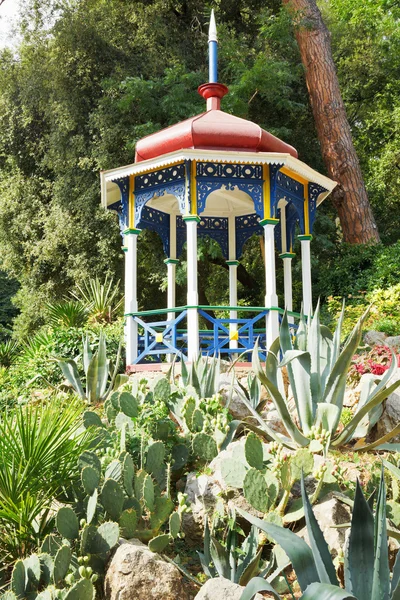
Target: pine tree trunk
x: 350, y: 196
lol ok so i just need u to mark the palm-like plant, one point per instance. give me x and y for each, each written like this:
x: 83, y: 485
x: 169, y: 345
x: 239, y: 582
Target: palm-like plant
x: 67, y: 313
x: 102, y: 300
x: 317, y: 367
x: 366, y: 572
x: 39, y: 451
x: 9, y: 351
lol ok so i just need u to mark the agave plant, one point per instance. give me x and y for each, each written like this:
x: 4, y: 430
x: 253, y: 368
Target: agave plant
x: 366, y: 572
x: 9, y: 351
x: 67, y: 313
x: 317, y: 369
x: 97, y: 371
x: 102, y: 300
x: 203, y: 374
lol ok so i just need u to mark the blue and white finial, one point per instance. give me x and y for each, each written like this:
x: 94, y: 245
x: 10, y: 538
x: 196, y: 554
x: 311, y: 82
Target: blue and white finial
x: 213, y: 50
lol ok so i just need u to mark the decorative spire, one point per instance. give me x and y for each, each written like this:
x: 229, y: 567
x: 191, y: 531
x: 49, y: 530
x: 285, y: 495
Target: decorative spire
x: 213, y: 50
x: 213, y: 91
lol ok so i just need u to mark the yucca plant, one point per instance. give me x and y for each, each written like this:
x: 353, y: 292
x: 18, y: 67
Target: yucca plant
x: 67, y: 313
x: 101, y: 299
x: 366, y: 568
x: 317, y: 368
x: 39, y: 451
x: 97, y: 371
x: 202, y: 374
x: 9, y: 352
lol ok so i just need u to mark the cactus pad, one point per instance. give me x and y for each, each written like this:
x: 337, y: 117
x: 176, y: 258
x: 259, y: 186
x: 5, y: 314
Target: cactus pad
x: 256, y: 490
x: 90, y: 478
x: 233, y: 472
x: 159, y: 543
x: 179, y: 456
x: 148, y: 493
x: 197, y: 421
x: 67, y: 523
x: 18, y: 579
x: 46, y: 568
x: 51, y: 544
x: 91, y: 419
x: 175, y: 524
x: 114, y: 470
x: 155, y: 458
x: 205, y: 447
x: 128, y: 523
x: 163, y: 507
x: 303, y: 460
x: 82, y: 590
x: 107, y: 537
x: 128, y: 404
x: 112, y: 498
x: 32, y: 571
x: 162, y: 390
x: 61, y: 564
x: 128, y: 474
x: 91, y: 506
x: 89, y: 459
x: 254, y: 451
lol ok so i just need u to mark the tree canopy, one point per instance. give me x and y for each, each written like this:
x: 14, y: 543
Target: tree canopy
x: 88, y: 79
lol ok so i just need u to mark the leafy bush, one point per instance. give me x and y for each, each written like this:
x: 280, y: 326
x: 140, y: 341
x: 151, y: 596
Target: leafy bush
x: 39, y: 450
x: 67, y: 313
x: 8, y: 353
x: 103, y: 301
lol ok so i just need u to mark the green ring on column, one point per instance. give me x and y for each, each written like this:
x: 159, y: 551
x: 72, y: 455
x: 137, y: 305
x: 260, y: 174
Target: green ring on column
x: 304, y: 238
x: 232, y: 263
x: 191, y: 218
x: 171, y: 261
x: 132, y: 232
x: 124, y: 249
x: 287, y: 255
x: 268, y: 222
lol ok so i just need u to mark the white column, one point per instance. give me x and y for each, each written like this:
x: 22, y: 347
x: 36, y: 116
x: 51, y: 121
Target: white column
x: 131, y: 305
x: 306, y: 272
x: 271, y: 298
x: 233, y: 265
x: 171, y: 263
x: 192, y: 293
x: 287, y: 280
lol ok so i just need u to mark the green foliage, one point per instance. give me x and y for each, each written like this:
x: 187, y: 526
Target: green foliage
x: 9, y: 351
x: 102, y: 300
x: 39, y: 450
x: 67, y: 313
x: 366, y: 574
x: 317, y: 369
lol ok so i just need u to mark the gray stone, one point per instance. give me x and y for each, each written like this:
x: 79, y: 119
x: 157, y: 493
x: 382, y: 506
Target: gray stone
x: 203, y: 492
x: 393, y: 342
x: 374, y: 338
x: 219, y: 588
x: 230, y: 394
x: 330, y: 513
x: 135, y: 573
x: 391, y: 414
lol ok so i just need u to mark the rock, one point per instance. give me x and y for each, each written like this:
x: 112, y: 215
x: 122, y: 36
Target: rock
x: 391, y: 414
x: 135, y: 573
x: 219, y: 588
x: 236, y: 406
x: 374, y: 338
x: 330, y: 513
x: 393, y: 342
x: 202, y: 492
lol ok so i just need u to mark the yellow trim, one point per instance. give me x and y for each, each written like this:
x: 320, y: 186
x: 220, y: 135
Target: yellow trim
x: 159, y: 338
x: 306, y: 211
x: 234, y: 336
x: 293, y: 175
x: 267, y: 192
x: 131, y: 202
x: 193, y: 190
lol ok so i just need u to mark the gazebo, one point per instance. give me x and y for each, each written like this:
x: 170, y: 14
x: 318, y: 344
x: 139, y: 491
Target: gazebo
x: 224, y: 177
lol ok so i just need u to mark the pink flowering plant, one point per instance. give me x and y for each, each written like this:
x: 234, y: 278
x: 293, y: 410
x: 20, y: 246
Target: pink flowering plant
x: 377, y: 361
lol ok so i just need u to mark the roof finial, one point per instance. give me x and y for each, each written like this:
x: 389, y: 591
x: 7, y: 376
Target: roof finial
x: 213, y: 50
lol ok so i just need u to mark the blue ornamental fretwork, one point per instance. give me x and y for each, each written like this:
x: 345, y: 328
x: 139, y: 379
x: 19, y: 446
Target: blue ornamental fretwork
x: 215, y: 228
x: 122, y: 206
x: 158, y: 221
x: 246, y: 226
x: 214, y: 176
x: 170, y: 180
x: 314, y: 191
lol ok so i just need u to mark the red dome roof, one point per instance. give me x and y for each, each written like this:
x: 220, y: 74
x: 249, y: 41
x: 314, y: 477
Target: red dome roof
x: 212, y: 130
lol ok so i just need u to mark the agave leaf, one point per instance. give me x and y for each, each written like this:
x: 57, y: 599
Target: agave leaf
x: 205, y: 559
x: 325, y: 358
x: 220, y: 559
x: 257, y: 584
x: 336, y: 384
x: 381, y: 576
x: 301, y: 333
x: 395, y: 586
x: 377, y: 399
x: 249, y: 550
x: 71, y: 374
x: 102, y: 368
x: 314, y: 349
x: 337, y: 337
x: 300, y: 364
x: 319, y: 547
x: 91, y: 379
x: 87, y: 353
x: 327, y: 416
x: 359, y: 560
x: 380, y: 444
x: 279, y: 402
x: 298, y: 551
x: 324, y: 591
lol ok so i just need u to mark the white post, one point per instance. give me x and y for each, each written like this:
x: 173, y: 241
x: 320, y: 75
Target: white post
x: 233, y: 265
x: 171, y: 263
x: 131, y: 304
x: 306, y: 272
x: 192, y: 293
x: 287, y: 281
x: 271, y: 298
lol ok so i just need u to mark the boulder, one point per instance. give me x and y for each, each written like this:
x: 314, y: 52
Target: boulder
x: 374, y: 338
x: 330, y: 513
x: 237, y: 408
x: 219, y: 588
x: 391, y: 414
x: 393, y: 342
x: 203, y: 492
x: 135, y: 573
